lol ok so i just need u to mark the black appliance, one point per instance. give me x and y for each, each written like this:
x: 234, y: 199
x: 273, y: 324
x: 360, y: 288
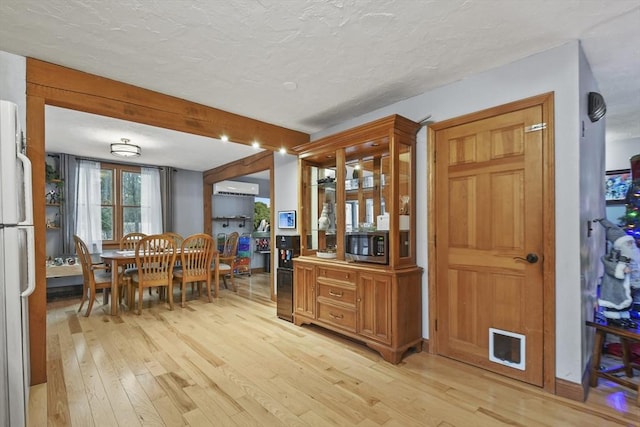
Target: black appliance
x: 367, y: 246
x: 288, y: 247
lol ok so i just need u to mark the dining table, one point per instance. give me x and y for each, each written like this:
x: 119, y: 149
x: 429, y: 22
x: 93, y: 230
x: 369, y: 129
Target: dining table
x: 117, y: 258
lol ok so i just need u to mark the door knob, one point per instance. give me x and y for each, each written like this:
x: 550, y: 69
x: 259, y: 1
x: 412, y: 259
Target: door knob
x: 531, y: 258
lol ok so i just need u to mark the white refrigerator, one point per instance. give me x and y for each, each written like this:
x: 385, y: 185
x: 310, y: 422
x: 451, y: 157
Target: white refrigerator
x: 17, y: 268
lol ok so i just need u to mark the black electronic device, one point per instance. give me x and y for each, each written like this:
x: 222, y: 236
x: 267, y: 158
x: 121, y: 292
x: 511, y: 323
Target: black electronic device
x: 288, y: 248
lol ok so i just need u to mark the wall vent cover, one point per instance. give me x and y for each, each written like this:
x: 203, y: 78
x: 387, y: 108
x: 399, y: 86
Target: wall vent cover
x: 597, y: 106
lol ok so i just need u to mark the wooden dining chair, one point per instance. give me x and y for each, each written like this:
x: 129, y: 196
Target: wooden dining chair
x: 196, y: 254
x: 155, y: 258
x: 95, y: 276
x: 130, y: 240
x: 128, y: 243
x: 227, y: 264
x: 177, y: 238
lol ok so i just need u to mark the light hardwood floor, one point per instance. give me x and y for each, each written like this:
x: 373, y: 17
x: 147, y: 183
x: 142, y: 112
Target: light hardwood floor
x: 234, y: 363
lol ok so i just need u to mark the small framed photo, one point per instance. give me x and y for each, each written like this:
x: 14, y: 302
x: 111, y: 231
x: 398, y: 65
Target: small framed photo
x: 617, y: 183
x: 287, y: 219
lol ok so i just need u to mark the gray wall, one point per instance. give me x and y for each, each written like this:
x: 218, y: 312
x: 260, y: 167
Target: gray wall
x: 187, y: 202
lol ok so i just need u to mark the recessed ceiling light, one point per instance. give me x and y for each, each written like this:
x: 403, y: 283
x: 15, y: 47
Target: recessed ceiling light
x: 224, y: 138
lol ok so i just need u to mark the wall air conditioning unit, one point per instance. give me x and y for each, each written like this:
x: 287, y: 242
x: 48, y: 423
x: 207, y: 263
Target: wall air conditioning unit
x: 236, y: 188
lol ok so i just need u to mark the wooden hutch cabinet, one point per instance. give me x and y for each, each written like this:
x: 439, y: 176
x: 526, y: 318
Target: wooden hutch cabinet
x: 361, y: 182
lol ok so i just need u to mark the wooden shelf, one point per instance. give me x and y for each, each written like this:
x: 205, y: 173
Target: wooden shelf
x: 242, y: 220
x: 64, y: 270
x: 221, y: 218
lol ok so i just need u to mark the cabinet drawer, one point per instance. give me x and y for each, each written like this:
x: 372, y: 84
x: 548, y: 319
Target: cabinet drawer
x: 342, y: 294
x: 334, y: 274
x: 339, y: 316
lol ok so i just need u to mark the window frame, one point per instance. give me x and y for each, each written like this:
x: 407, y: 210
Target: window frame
x: 118, y: 207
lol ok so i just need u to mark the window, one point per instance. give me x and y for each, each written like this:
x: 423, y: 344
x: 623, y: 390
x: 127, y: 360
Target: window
x: 120, y: 188
x: 107, y: 201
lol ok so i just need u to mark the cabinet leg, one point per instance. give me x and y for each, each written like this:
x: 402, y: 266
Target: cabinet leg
x: 598, y: 341
x: 626, y: 357
x: 392, y: 356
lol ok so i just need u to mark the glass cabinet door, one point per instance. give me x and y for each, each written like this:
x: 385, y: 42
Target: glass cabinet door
x: 361, y: 180
x: 366, y: 191
x: 405, y: 190
x: 320, y: 205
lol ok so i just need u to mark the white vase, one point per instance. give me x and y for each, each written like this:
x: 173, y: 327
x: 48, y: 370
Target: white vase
x: 324, y: 221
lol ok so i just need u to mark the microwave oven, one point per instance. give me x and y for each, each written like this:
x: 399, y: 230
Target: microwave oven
x: 367, y: 246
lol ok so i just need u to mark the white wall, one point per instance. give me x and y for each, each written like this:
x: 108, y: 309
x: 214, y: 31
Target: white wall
x: 617, y: 155
x: 187, y: 202
x: 554, y: 70
x: 286, y: 194
x: 592, y: 244
x: 619, y: 152
x: 13, y: 83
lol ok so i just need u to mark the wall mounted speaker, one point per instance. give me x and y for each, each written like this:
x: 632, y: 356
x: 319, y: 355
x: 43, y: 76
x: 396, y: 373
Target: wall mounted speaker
x: 597, y: 106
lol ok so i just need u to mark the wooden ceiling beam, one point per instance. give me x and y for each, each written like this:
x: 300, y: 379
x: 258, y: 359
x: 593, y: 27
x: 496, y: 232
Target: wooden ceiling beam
x: 77, y: 90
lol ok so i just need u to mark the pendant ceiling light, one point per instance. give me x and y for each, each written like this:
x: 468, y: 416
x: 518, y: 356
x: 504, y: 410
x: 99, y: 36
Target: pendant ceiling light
x: 124, y: 149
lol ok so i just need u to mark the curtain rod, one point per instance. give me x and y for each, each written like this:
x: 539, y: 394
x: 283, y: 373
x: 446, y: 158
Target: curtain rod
x: 111, y: 162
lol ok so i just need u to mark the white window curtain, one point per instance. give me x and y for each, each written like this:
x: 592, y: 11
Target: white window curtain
x: 150, y: 201
x: 89, y: 205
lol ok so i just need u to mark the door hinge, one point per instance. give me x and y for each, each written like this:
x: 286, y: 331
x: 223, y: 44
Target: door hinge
x: 536, y: 127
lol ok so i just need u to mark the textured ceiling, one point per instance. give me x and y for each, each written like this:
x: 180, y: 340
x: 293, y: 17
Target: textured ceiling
x: 308, y: 65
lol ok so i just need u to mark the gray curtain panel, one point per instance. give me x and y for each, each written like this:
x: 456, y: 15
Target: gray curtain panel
x: 68, y: 174
x: 166, y: 190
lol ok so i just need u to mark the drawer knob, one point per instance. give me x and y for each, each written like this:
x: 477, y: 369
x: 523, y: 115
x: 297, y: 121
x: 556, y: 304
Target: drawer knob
x: 336, y: 316
x: 336, y: 294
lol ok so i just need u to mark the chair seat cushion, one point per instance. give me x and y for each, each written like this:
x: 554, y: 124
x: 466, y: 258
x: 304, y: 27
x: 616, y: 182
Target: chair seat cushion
x: 224, y: 267
x: 129, y: 271
x: 102, y: 277
x: 157, y: 276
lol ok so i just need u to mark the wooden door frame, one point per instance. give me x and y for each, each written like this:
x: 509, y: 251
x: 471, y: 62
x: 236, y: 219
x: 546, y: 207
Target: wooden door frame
x: 247, y: 166
x: 546, y: 102
x: 50, y: 84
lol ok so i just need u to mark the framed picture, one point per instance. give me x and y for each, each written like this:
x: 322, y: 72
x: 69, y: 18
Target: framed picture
x: 287, y: 219
x: 617, y: 183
